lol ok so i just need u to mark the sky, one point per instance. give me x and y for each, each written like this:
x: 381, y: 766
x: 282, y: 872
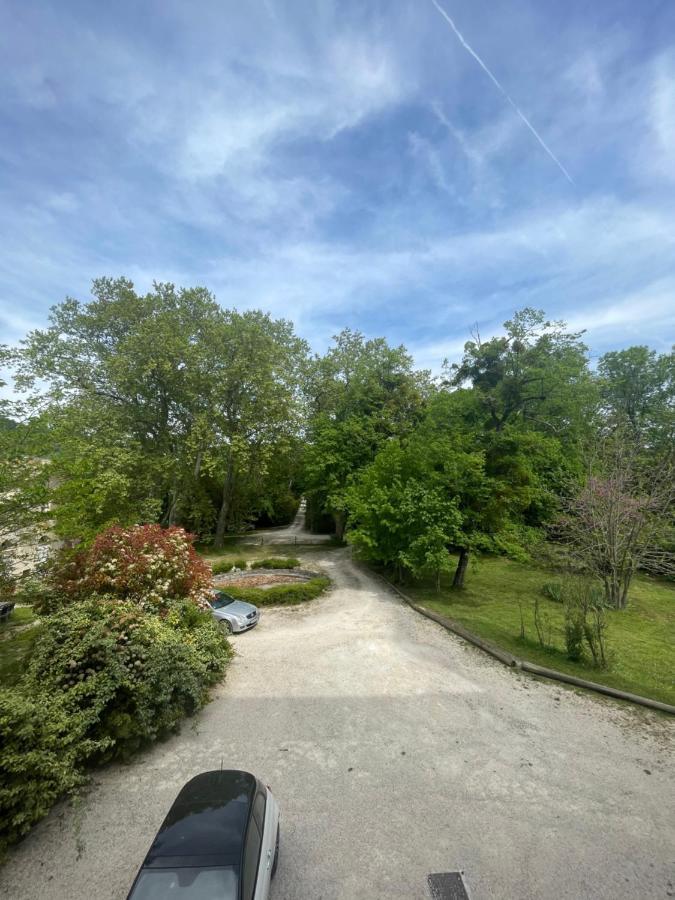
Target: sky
x: 412, y: 169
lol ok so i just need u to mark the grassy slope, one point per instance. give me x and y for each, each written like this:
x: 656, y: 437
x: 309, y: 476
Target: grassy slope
x: 642, y: 636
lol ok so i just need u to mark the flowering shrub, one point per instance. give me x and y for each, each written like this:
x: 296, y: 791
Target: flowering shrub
x: 147, y: 564
x: 129, y: 675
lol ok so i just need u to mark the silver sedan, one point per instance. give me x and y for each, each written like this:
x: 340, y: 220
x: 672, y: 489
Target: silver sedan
x: 234, y: 615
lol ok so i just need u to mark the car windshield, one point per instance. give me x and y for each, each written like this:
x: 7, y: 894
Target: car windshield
x: 221, y: 600
x: 192, y: 883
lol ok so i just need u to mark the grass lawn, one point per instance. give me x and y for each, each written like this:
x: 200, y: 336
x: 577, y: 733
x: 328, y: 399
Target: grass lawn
x: 16, y: 643
x: 641, y: 638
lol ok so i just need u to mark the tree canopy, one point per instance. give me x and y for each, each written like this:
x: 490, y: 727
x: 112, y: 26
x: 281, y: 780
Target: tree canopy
x: 167, y: 408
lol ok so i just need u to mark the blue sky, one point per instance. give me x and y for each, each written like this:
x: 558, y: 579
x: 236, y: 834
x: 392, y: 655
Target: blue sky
x: 346, y: 163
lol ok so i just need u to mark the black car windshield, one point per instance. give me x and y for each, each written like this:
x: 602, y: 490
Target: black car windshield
x: 221, y: 600
x: 220, y: 883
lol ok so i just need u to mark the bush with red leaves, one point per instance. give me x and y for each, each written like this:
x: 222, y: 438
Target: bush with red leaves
x: 148, y: 564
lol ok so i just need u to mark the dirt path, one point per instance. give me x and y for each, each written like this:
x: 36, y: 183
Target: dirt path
x: 288, y: 534
x: 395, y: 750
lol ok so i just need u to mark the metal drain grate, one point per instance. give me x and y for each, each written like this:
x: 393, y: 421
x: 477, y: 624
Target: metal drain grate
x: 447, y: 886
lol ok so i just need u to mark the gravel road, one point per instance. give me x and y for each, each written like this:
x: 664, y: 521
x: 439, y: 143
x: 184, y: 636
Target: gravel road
x: 395, y: 750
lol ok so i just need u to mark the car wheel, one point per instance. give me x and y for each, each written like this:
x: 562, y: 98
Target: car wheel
x: 225, y: 625
x: 276, y: 855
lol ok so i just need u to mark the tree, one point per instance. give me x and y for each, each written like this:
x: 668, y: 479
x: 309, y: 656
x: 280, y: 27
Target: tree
x: 615, y: 524
x: 536, y: 377
x: 23, y: 485
x: 399, y: 518
x: 255, y: 402
x: 638, y: 393
x: 360, y: 394
x: 158, y: 403
x: 438, y: 492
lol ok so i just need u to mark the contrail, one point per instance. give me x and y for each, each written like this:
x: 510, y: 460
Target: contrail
x: 492, y: 78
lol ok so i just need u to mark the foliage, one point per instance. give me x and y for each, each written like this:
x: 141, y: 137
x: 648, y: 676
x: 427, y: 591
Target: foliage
x: 585, y: 620
x: 553, y: 590
x: 128, y: 674
x: 7, y: 580
x: 43, y: 751
x: 23, y: 485
x: 616, y: 523
x: 104, y: 678
x: 276, y: 562
x: 361, y: 393
x: 543, y: 624
x: 535, y: 376
x: 162, y: 407
x: 638, y: 393
x: 285, y: 594
x: 151, y: 565
x: 16, y: 644
x: 447, y: 488
x: 225, y: 565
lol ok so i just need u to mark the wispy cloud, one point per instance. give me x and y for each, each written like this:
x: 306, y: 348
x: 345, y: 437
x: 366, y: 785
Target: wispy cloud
x: 502, y: 90
x: 334, y: 164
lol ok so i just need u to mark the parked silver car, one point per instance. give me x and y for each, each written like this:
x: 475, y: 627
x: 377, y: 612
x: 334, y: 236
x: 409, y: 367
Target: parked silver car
x: 219, y: 841
x: 233, y: 615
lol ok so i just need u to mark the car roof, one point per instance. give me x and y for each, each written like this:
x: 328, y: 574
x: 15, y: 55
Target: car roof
x: 207, y: 823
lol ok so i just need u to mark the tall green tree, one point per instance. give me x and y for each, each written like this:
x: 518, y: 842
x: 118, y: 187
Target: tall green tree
x: 154, y: 398
x: 637, y: 388
x: 360, y: 394
x: 535, y: 377
x: 440, y: 492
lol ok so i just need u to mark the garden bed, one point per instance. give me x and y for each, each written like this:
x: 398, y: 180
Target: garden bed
x: 263, y: 578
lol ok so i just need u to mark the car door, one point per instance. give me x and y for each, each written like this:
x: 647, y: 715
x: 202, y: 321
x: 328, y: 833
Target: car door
x: 253, y: 863
x: 269, y: 845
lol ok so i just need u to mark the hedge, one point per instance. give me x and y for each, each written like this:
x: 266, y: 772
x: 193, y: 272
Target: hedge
x: 298, y: 592
x: 276, y: 562
x: 220, y: 568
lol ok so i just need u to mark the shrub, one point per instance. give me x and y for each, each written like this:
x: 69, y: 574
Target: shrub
x: 147, y: 564
x: 130, y: 675
x: 281, y: 593
x: 276, y: 562
x: 219, y: 568
x: 585, y: 620
x: 554, y: 590
x: 43, y: 749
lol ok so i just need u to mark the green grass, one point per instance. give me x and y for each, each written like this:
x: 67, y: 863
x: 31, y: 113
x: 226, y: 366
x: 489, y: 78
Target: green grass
x: 641, y: 638
x: 16, y: 644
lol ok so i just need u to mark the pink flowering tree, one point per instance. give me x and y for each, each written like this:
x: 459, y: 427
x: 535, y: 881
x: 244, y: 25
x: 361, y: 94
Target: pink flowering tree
x: 616, y: 523
x: 147, y: 564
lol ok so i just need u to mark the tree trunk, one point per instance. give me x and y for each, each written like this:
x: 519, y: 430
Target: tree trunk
x: 460, y: 571
x: 221, y: 525
x: 198, y: 464
x: 340, y: 519
x: 628, y: 575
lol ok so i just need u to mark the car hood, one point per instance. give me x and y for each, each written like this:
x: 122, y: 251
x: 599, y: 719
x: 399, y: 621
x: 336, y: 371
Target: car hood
x: 238, y: 608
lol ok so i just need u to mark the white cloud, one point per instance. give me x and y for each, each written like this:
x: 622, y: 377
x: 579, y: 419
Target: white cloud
x: 662, y: 117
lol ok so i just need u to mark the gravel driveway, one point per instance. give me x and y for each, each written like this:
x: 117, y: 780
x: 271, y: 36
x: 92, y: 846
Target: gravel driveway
x: 395, y: 750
